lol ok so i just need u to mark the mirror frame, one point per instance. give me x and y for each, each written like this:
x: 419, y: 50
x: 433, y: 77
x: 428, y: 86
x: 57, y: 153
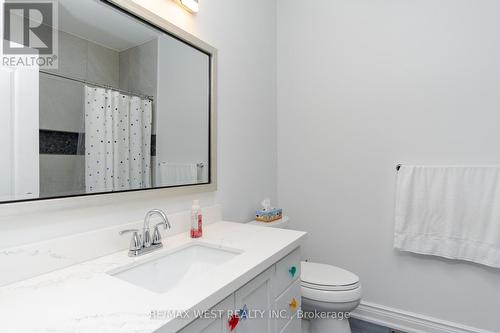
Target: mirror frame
x: 142, y: 14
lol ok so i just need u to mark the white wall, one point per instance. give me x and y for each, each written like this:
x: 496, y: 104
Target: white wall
x: 183, y: 103
x: 25, y: 125
x: 19, y: 134
x: 246, y: 130
x: 362, y: 86
x: 6, y: 134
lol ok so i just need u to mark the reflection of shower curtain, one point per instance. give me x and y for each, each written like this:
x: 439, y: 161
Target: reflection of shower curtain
x: 117, y: 141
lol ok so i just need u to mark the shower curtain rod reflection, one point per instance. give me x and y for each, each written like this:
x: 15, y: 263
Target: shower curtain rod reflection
x: 67, y: 77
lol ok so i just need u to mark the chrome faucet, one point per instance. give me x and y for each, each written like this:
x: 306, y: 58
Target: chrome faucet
x: 142, y: 244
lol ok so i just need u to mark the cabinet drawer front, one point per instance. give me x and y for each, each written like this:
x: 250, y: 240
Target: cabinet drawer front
x: 288, y: 304
x: 287, y: 271
x: 206, y: 325
x: 252, y: 297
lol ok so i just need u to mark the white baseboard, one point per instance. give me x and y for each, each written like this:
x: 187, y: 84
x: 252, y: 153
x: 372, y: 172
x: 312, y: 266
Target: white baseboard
x: 408, y: 321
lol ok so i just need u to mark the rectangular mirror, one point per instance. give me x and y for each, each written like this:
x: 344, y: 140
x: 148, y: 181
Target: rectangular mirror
x: 129, y: 106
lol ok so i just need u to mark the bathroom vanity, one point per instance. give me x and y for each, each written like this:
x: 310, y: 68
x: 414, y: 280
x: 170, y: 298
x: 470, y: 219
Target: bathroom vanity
x: 276, y: 291
x: 238, y: 277
x: 131, y: 105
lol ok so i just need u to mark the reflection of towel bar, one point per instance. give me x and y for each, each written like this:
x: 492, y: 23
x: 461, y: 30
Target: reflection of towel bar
x: 198, y: 165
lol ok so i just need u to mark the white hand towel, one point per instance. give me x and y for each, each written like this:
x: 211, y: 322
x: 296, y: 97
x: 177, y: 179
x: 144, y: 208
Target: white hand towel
x: 453, y: 212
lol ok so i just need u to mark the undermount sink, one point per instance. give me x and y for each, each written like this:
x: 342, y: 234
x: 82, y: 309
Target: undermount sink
x: 185, y: 264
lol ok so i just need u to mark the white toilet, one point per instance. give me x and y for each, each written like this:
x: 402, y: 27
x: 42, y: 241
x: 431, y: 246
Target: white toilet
x: 326, y: 290
x: 331, y: 290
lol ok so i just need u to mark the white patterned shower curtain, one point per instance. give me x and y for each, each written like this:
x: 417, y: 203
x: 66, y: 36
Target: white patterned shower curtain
x: 117, y: 141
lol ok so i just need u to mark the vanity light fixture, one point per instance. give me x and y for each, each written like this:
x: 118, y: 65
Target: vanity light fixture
x: 191, y: 5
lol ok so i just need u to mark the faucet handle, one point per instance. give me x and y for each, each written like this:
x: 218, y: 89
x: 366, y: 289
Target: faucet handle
x: 126, y: 231
x: 135, y: 242
x: 157, y: 234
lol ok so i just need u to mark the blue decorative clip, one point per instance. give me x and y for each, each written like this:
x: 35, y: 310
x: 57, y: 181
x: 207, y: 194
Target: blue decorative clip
x: 243, y: 313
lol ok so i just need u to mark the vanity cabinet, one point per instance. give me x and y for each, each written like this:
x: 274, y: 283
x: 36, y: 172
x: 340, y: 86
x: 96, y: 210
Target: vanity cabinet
x: 267, y: 304
x: 294, y: 326
x: 255, y: 298
x: 288, y: 304
x: 286, y: 285
x: 215, y: 324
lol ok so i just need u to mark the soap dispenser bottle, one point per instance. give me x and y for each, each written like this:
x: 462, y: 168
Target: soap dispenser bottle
x: 196, y: 220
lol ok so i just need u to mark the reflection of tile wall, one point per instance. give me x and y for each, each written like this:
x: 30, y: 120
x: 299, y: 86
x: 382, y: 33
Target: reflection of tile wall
x: 61, y: 100
x: 61, y: 112
x: 139, y: 71
x: 61, y: 175
x: 70, y: 143
x: 61, y: 104
x: 62, y: 143
x: 138, y: 68
x: 103, y: 65
x: 87, y: 61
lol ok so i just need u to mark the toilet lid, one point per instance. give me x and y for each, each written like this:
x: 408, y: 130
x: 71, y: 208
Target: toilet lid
x: 327, y: 277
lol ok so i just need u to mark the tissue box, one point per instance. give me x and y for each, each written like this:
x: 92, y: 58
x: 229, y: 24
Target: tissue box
x: 269, y: 215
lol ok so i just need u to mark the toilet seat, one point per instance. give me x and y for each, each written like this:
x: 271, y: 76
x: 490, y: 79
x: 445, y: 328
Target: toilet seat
x: 327, y: 283
x: 327, y: 277
x: 344, y: 296
x: 329, y: 288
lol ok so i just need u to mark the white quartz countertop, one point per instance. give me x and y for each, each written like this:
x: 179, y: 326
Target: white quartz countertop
x: 85, y: 298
